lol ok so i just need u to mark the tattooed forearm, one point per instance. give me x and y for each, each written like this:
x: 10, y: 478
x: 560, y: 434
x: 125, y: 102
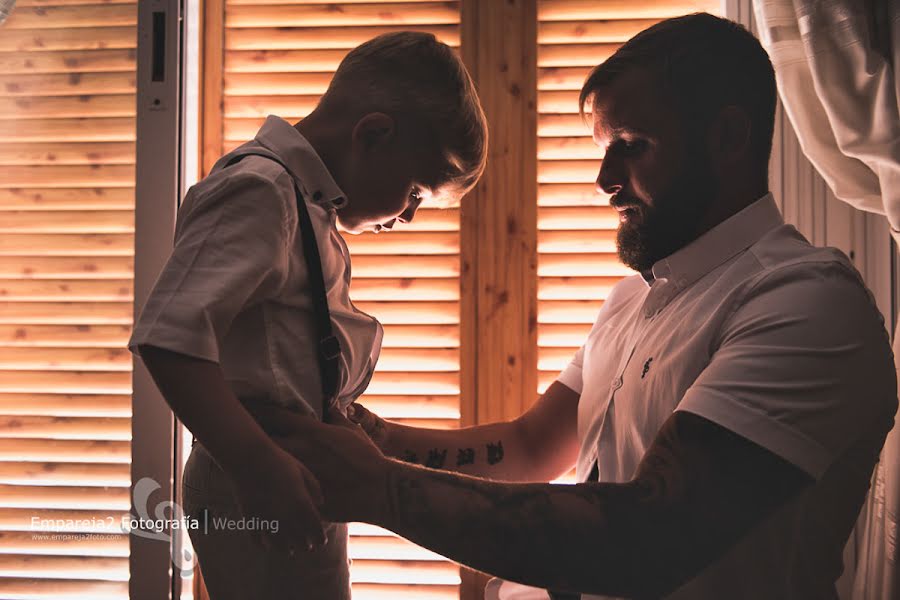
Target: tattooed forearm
x: 522, y: 532
x: 697, y: 491
x: 437, y: 458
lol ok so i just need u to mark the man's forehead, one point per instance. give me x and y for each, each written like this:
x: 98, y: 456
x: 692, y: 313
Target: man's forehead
x: 631, y: 103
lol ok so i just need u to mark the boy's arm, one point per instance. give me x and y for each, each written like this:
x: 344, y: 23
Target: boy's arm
x: 267, y: 480
x: 540, y: 445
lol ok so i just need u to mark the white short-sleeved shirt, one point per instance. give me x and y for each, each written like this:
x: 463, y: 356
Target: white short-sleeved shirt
x: 235, y: 289
x: 753, y: 328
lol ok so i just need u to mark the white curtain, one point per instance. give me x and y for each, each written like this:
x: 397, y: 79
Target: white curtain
x: 835, y: 63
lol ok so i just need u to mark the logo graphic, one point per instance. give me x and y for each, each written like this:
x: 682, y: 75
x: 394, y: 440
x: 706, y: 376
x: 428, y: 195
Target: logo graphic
x: 167, y: 517
x: 646, y: 367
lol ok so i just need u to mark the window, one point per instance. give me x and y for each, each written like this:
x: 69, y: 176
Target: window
x: 67, y: 128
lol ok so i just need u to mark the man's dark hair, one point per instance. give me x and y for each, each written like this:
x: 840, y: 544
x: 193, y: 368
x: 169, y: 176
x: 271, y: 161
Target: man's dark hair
x: 704, y: 63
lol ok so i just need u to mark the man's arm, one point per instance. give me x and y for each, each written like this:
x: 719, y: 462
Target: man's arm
x: 540, y: 445
x: 697, y: 491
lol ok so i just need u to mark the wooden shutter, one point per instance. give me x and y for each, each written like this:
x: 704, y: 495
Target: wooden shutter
x: 278, y: 59
x: 67, y: 128
x: 577, y: 262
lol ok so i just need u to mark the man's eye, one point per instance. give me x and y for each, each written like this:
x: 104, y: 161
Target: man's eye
x: 630, y: 147
x: 414, y: 196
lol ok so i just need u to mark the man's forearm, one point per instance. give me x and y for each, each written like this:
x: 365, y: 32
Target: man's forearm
x: 200, y: 397
x: 495, y: 451
x: 586, y: 538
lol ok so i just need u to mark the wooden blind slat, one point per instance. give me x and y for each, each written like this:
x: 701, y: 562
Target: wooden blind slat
x: 82, y: 38
x: 53, y: 107
x: 103, y: 267
x: 308, y: 38
x: 68, y: 61
x: 42, y: 198
x: 60, y: 84
x: 411, y: 288
x: 72, y: 17
x: 54, y: 450
x: 570, y: 10
x: 25, y: 542
x: 581, y: 31
x: 349, y: 15
x: 63, y: 405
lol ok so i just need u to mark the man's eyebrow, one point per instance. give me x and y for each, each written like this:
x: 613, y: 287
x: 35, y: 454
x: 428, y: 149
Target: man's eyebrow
x: 615, y: 132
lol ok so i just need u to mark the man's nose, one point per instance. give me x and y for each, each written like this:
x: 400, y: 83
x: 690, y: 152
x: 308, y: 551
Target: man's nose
x: 609, y: 179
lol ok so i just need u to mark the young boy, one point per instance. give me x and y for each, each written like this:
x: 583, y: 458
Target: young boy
x: 230, y: 322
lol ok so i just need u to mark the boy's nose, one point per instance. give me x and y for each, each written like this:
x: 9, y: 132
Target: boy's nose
x: 408, y: 215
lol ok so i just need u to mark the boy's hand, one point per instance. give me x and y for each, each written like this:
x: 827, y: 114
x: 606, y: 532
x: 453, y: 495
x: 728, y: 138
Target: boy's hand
x: 277, y: 487
x: 375, y: 427
x: 350, y: 468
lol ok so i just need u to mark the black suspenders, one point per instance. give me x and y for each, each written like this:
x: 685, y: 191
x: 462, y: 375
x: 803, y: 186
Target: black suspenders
x: 328, y: 349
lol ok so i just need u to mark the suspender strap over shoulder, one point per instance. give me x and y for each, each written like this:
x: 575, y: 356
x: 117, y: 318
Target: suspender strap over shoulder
x: 328, y: 351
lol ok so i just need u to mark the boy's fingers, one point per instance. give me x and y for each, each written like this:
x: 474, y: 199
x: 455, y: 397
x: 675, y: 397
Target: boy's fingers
x: 313, y: 487
x: 276, y: 419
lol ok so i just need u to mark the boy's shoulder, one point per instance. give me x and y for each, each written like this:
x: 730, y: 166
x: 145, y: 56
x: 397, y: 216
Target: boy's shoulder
x: 253, y: 166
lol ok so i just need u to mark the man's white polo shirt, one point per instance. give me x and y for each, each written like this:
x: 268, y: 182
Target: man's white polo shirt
x: 753, y: 328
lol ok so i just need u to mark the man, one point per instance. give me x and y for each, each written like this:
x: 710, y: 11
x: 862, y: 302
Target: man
x: 728, y: 407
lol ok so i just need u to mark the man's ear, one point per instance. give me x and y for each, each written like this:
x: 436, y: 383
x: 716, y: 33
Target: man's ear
x: 373, y: 130
x: 729, y: 136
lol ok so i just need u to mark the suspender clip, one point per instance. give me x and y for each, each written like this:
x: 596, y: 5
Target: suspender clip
x: 330, y: 347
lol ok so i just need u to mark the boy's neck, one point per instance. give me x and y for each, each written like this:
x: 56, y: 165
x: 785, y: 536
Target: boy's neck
x: 324, y: 140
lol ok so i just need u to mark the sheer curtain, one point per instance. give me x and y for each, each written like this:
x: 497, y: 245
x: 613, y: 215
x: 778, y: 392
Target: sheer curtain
x: 834, y: 61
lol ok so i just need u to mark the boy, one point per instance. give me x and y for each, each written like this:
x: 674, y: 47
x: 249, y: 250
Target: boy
x: 230, y: 322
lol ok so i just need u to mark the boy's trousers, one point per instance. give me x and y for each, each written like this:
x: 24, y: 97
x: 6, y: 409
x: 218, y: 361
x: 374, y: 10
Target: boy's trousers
x: 236, y: 568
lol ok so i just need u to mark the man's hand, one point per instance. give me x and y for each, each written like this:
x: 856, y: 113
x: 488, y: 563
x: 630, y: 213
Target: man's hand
x: 375, y: 427
x: 350, y: 468
x: 277, y: 487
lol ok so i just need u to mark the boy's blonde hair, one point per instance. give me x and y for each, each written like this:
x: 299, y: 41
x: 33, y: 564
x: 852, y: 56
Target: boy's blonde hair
x: 414, y: 76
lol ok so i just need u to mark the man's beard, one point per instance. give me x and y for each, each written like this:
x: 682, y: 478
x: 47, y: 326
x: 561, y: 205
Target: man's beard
x: 671, y: 223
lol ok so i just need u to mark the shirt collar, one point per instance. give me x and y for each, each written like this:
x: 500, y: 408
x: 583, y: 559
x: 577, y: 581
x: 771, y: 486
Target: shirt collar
x: 302, y: 160
x: 719, y: 244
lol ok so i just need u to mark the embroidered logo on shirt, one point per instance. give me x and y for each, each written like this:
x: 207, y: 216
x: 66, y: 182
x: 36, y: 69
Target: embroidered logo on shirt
x: 646, y: 367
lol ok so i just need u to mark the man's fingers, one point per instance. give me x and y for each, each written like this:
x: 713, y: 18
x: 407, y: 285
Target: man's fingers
x: 362, y: 416
x: 335, y: 417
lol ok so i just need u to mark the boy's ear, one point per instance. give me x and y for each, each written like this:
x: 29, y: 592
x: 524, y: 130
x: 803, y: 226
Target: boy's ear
x: 373, y: 130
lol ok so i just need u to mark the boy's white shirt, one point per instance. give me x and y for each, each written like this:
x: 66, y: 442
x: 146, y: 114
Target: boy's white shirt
x: 235, y: 290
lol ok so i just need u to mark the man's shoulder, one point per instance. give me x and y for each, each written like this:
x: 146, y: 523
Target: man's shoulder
x: 784, y: 258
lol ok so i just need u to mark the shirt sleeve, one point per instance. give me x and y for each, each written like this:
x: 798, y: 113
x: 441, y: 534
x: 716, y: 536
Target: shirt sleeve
x: 571, y: 375
x: 231, y: 251
x: 803, y: 368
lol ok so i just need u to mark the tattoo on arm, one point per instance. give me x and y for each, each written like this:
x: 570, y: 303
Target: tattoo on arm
x: 495, y: 452
x: 465, y: 456
x: 436, y: 458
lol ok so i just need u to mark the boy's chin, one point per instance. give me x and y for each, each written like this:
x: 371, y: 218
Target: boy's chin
x: 351, y: 226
